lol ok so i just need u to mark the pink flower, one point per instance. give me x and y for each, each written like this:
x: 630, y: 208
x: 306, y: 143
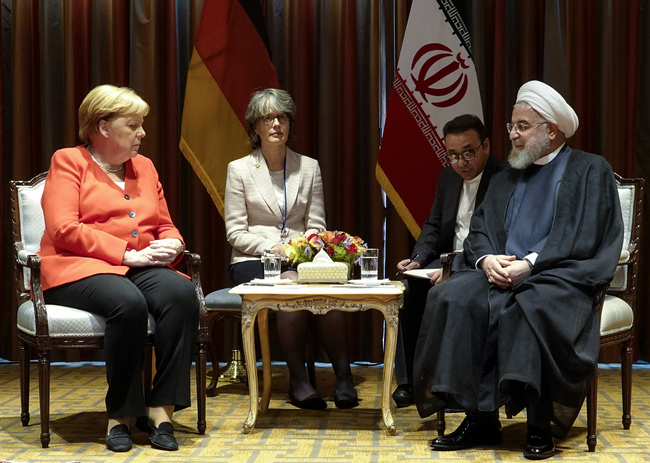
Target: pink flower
x: 315, y: 241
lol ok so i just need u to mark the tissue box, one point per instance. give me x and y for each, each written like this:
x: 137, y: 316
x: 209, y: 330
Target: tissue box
x: 323, y: 272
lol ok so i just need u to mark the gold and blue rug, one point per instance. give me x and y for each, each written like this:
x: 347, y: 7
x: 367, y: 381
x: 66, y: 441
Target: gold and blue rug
x: 287, y: 434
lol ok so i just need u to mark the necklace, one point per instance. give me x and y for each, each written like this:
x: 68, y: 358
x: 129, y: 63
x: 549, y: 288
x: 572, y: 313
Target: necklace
x: 107, y: 169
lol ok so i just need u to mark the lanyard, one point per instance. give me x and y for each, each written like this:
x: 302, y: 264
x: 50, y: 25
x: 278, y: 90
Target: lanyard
x: 284, y: 212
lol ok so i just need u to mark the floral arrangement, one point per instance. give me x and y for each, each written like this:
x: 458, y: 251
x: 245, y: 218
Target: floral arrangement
x: 340, y: 246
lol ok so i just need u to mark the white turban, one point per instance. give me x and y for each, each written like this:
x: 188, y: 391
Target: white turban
x: 550, y: 105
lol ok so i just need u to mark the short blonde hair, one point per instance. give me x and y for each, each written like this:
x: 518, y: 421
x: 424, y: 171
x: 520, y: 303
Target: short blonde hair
x: 106, y: 102
x: 263, y: 102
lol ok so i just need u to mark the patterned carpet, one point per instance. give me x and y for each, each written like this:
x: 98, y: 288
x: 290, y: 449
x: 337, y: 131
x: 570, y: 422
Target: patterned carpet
x: 287, y: 434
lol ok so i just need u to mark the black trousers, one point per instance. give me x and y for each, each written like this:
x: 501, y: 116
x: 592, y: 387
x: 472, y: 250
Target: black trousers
x: 245, y: 271
x: 410, y: 319
x: 126, y: 303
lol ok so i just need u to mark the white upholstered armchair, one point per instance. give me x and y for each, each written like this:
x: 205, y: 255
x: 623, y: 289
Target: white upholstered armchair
x: 618, y: 306
x: 44, y: 327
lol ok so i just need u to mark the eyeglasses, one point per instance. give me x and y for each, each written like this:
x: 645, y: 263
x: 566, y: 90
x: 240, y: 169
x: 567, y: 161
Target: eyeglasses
x: 270, y: 119
x: 466, y: 155
x: 521, y: 127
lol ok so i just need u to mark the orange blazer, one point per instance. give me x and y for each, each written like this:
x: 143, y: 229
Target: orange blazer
x: 90, y: 222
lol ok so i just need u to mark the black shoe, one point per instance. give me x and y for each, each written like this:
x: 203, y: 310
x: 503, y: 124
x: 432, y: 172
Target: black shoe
x: 162, y: 437
x: 312, y: 402
x: 345, y: 399
x: 539, y: 444
x: 119, y: 438
x: 403, y: 396
x: 470, y: 433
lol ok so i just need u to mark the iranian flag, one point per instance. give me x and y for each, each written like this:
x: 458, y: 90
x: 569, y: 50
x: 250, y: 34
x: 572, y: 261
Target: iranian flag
x: 435, y: 81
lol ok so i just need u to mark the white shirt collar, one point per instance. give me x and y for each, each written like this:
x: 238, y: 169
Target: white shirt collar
x: 475, y: 180
x: 549, y: 157
x: 466, y: 205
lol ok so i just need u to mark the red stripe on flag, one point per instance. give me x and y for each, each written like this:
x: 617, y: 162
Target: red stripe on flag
x: 234, y: 53
x: 417, y: 189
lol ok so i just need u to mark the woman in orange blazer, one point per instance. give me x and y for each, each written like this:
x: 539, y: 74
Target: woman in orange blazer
x: 108, y: 246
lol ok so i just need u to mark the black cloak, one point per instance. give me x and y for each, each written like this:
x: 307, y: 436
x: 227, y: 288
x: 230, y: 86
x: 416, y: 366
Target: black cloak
x: 481, y: 347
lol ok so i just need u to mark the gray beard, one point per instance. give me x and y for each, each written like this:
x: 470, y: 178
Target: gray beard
x: 531, y: 152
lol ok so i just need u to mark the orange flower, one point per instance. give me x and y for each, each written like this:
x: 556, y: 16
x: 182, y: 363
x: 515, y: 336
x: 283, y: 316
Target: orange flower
x: 327, y: 236
x: 341, y: 246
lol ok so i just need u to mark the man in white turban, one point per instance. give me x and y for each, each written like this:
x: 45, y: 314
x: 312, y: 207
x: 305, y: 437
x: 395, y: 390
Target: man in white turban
x: 549, y: 107
x: 549, y: 104
x: 516, y: 325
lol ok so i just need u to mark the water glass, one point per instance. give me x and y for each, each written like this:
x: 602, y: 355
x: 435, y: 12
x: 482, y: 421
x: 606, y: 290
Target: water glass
x: 369, y: 264
x: 272, y: 261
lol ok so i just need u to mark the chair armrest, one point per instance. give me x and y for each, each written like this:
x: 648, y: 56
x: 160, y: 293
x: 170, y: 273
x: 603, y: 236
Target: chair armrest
x: 599, y: 300
x: 624, y: 257
x: 28, y: 259
x: 22, y: 257
x: 34, y: 292
x: 447, y: 259
x: 190, y: 260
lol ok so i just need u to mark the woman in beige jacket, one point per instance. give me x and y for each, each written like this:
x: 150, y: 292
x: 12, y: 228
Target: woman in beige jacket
x: 273, y: 195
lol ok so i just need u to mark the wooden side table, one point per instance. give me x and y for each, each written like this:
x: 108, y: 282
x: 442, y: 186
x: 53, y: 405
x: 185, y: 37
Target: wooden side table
x: 318, y: 299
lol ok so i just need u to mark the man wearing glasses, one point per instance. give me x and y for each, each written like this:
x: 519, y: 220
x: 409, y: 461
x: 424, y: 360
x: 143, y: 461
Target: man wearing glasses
x: 460, y: 188
x: 515, y: 324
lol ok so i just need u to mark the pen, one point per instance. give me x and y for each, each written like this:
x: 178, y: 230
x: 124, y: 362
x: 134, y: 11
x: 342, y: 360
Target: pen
x: 408, y: 262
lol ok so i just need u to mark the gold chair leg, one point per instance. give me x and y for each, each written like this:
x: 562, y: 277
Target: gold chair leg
x: 234, y: 372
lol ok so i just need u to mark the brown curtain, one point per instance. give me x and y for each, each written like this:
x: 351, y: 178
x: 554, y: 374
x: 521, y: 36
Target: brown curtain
x: 337, y: 59
x: 590, y: 51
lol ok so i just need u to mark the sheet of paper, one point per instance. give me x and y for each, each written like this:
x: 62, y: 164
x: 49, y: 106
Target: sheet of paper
x: 419, y: 272
x: 370, y: 282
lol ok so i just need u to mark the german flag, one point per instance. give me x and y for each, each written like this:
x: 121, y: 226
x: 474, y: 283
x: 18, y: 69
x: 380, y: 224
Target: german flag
x: 230, y: 61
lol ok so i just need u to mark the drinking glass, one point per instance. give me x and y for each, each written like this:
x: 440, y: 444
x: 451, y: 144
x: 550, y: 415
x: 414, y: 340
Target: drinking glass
x: 369, y: 264
x: 272, y: 261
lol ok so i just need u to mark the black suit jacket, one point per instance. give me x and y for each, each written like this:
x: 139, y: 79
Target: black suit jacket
x: 437, y: 236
